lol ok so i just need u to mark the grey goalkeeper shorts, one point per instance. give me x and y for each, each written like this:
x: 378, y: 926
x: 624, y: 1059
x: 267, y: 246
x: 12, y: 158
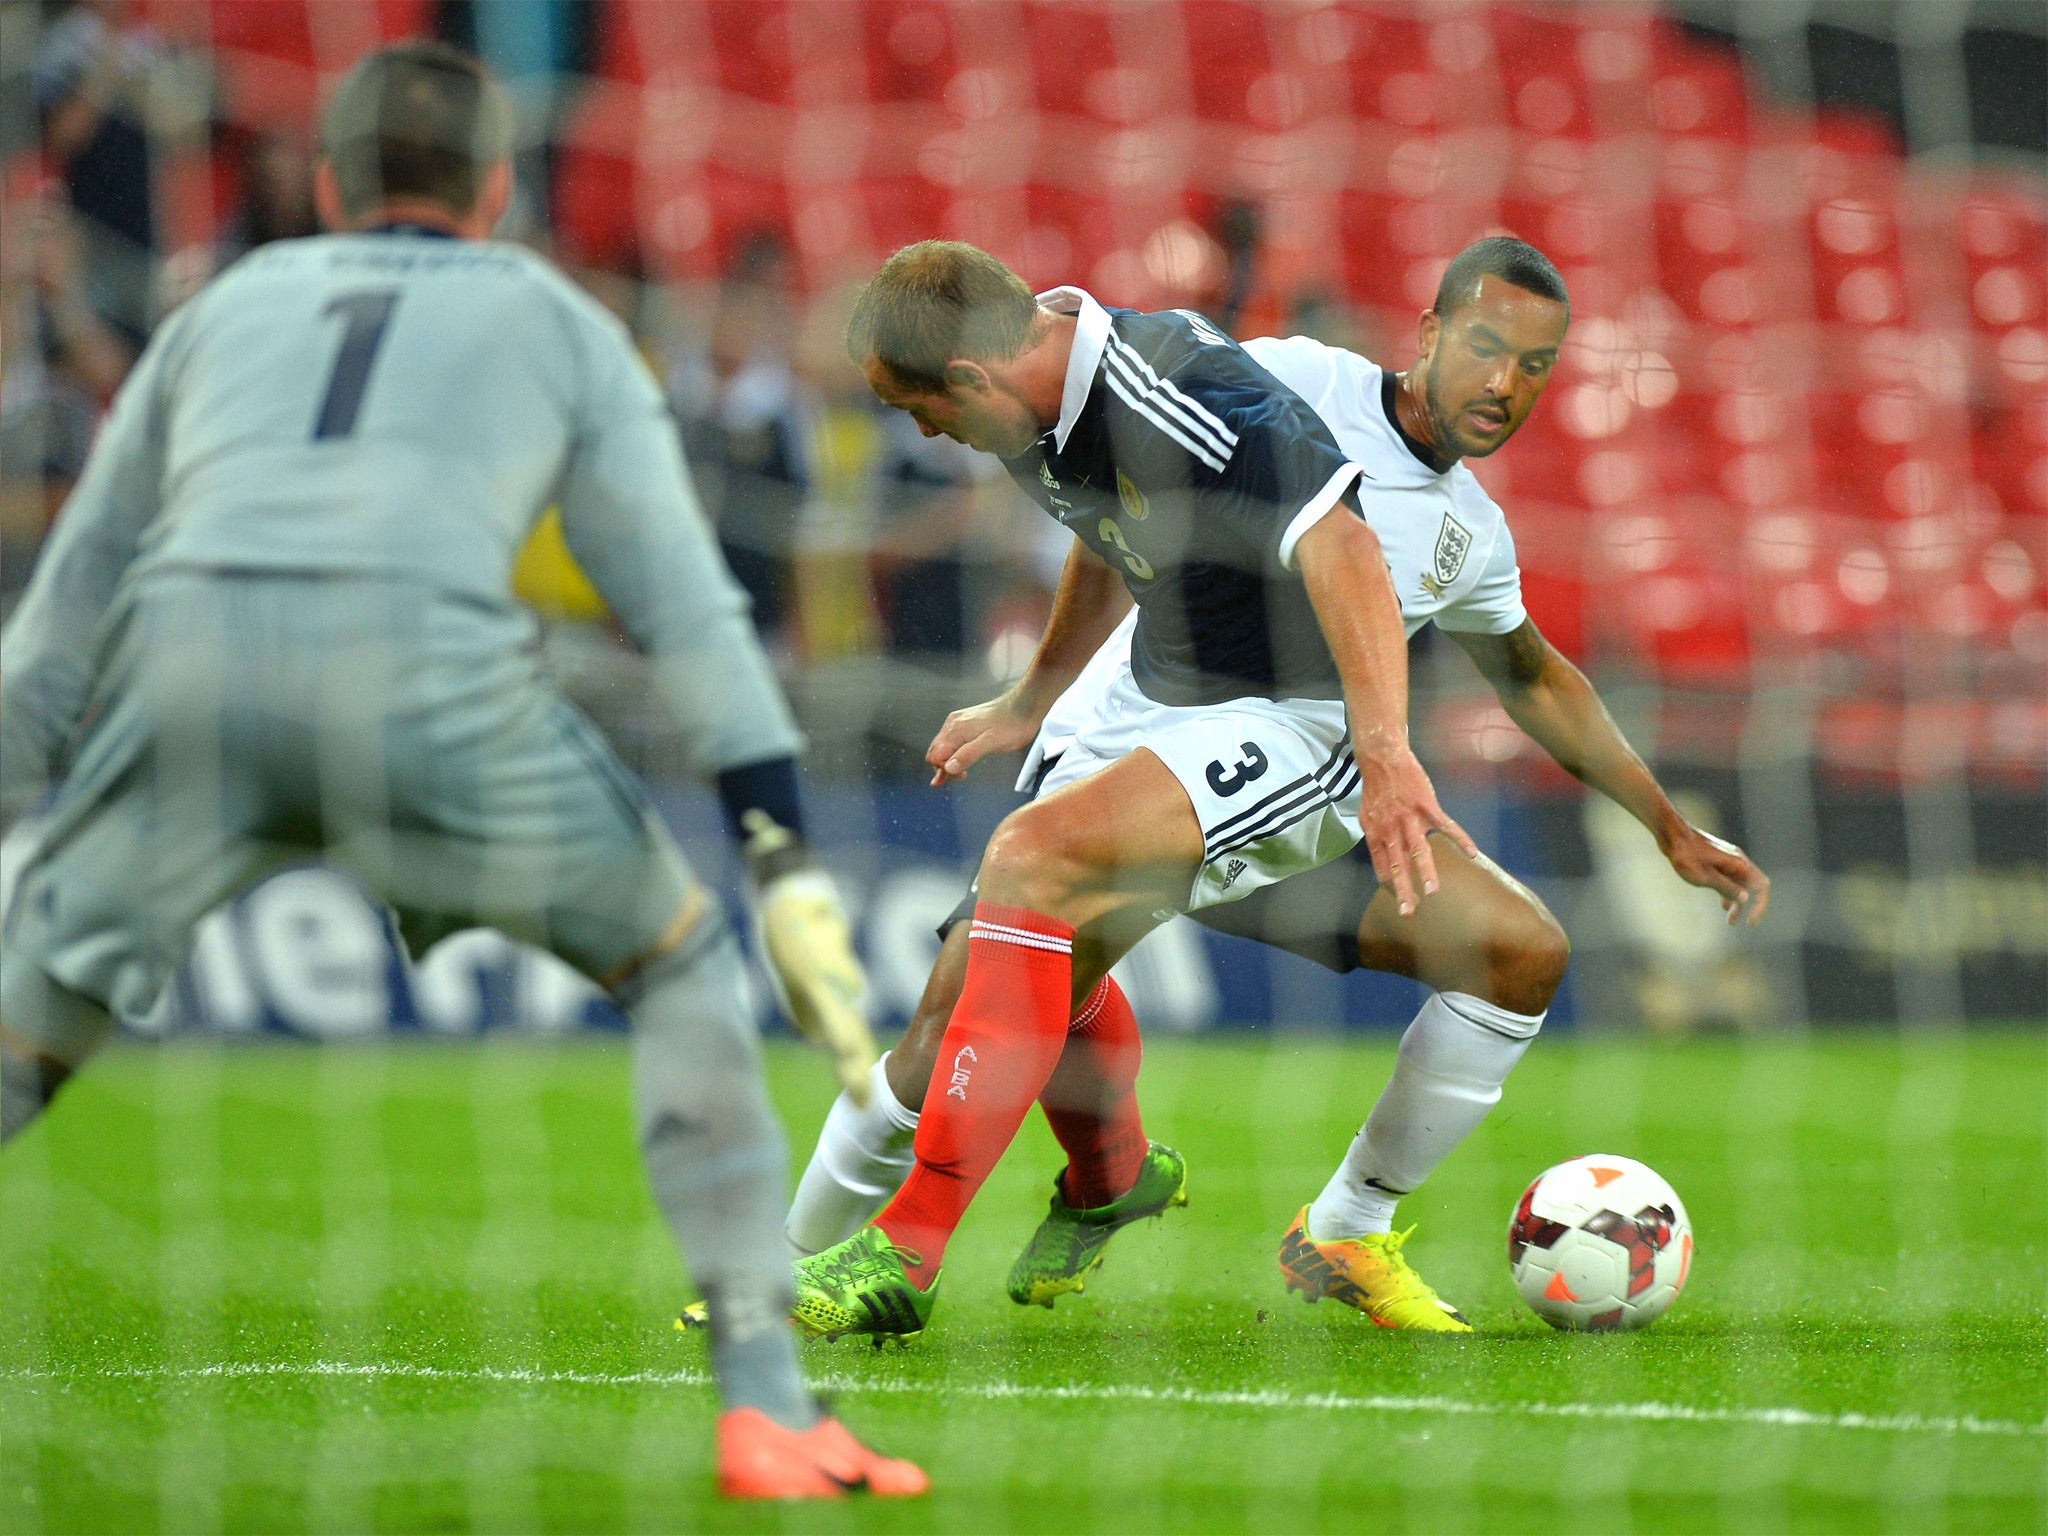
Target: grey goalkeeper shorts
x: 245, y: 722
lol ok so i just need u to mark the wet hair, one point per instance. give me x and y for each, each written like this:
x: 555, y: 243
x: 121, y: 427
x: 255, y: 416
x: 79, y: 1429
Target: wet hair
x: 417, y: 119
x: 1502, y: 256
x: 936, y: 301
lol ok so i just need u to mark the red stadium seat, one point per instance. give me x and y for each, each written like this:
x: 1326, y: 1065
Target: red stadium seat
x: 1394, y: 249
x: 1821, y: 584
x: 1713, y: 260
x: 1542, y: 74
x: 275, y: 55
x: 1696, y: 88
x: 696, y: 219
x: 596, y: 209
x: 1230, y: 65
x: 1677, y: 604
x: 1077, y: 62
x: 911, y: 52
x: 753, y: 45
x: 902, y: 209
x: 1858, y: 274
x: 1384, y: 58
x: 2011, y: 456
x: 1996, y: 225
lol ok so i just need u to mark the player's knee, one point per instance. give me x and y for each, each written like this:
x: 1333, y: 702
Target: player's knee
x: 1034, y: 860
x: 1526, y: 957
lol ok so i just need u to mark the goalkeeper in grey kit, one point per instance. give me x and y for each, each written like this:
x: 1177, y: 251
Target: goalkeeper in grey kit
x: 274, y: 622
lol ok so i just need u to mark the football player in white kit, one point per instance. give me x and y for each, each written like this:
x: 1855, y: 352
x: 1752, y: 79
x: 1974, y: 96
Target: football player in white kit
x: 274, y: 622
x: 1485, y: 943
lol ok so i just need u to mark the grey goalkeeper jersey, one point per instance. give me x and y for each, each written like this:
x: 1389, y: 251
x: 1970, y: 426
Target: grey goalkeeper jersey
x: 396, y: 404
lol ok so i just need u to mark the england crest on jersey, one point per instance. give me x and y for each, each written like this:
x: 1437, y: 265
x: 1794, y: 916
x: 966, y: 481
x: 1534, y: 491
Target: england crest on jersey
x: 1453, y: 543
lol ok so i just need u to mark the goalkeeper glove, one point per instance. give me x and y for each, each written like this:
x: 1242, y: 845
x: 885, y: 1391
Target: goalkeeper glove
x: 801, y: 928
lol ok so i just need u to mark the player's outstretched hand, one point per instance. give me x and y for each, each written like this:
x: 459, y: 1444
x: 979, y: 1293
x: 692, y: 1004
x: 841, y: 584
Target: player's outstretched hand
x: 1397, y: 811
x: 1706, y: 860
x: 969, y: 735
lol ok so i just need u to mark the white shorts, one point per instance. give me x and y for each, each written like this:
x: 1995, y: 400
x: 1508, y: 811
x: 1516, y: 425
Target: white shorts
x: 1272, y: 780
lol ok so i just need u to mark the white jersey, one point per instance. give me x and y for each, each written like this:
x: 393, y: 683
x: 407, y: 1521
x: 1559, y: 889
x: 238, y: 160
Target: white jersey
x: 396, y: 405
x: 1446, y: 541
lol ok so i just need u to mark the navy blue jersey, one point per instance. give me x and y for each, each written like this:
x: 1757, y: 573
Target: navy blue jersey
x: 1192, y: 470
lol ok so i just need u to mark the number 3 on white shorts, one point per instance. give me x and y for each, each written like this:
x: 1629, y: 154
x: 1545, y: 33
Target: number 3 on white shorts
x: 1109, y: 533
x: 1228, y: 781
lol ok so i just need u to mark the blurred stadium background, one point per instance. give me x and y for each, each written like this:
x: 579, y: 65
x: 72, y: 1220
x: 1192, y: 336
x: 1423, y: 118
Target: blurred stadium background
x: 1787, y: 498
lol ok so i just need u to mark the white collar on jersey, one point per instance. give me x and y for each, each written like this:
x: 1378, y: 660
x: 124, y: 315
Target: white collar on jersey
x: 1091, y: 336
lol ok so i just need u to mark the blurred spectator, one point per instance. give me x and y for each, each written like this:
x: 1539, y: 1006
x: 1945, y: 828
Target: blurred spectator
x: 1689, y: 972
x: 59, y: 361
x: 277, y: 197
x: 93, y: 78
x: 276, y: 204
x: 745, y: 425
x: 927, y: 561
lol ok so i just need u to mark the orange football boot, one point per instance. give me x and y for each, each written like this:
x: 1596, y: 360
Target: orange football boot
x: 761, y: 1459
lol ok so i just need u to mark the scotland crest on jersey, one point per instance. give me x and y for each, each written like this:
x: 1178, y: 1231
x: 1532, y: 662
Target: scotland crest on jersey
x: 1133, y: 499
x: 1453, y: 543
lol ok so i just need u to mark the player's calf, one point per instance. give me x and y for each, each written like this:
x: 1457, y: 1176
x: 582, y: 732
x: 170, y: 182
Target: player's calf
x: 714, y: 1155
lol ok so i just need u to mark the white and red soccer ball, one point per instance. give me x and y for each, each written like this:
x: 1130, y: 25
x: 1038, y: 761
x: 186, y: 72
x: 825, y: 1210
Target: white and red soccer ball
x: 1600, y: 1243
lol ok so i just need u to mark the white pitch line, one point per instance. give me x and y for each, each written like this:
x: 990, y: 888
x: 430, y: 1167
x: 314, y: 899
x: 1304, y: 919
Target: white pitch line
x: 1008, y: 1391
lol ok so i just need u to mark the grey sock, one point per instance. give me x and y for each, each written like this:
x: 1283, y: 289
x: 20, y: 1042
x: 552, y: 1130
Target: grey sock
x: 65, y: 1026
x: 753, y: 1352
x: 22, y: 1095
x: 715, y: 1157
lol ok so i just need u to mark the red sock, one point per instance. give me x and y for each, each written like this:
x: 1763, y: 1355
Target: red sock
x: 1003, y: 1042
x: 1091, y: 1103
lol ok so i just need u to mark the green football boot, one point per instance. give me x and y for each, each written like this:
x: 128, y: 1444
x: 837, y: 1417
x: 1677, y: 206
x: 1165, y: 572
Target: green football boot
x: 1068, y: 1246
x: 859, y: 1286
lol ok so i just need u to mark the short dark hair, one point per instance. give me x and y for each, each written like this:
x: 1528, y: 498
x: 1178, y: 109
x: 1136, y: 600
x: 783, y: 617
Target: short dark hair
x: 1502, y: 256
x: 417, y: 119
x: 936, y: 301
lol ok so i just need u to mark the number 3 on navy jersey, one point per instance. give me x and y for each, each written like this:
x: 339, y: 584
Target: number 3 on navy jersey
x: 1139, y: 566
x: 1228, y: 781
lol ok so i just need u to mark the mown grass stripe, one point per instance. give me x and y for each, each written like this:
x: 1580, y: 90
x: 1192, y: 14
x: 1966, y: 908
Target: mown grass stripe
x: 1006, y: 1391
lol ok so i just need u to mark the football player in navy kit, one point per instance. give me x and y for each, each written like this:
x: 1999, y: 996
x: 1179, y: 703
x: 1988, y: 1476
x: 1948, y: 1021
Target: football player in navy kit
x: 1221, y: 684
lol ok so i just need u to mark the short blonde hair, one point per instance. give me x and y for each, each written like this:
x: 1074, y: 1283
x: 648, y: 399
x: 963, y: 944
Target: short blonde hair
x: 936, y: 301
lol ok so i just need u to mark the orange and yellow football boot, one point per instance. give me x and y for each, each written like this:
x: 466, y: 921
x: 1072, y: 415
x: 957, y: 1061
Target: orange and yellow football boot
x: 1368, y: 1273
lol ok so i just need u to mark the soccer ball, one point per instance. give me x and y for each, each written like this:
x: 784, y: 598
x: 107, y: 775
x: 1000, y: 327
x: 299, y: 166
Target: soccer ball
x: 1598, y: 1244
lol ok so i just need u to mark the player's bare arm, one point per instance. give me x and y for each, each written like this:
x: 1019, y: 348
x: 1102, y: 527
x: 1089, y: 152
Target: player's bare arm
x: 1552, y: 700
x: 1091, y: 598
x: 1361, y: 618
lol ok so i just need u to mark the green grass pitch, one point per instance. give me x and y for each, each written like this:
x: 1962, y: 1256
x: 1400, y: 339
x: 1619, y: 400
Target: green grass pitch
x: 420, y: 1287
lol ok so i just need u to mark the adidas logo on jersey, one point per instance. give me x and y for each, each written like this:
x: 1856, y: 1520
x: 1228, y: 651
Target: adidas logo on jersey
x: 1231, y: 871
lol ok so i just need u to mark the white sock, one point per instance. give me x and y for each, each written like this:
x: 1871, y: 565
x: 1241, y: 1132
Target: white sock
x: 1453, y: 1059
x: 861, y: 1157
